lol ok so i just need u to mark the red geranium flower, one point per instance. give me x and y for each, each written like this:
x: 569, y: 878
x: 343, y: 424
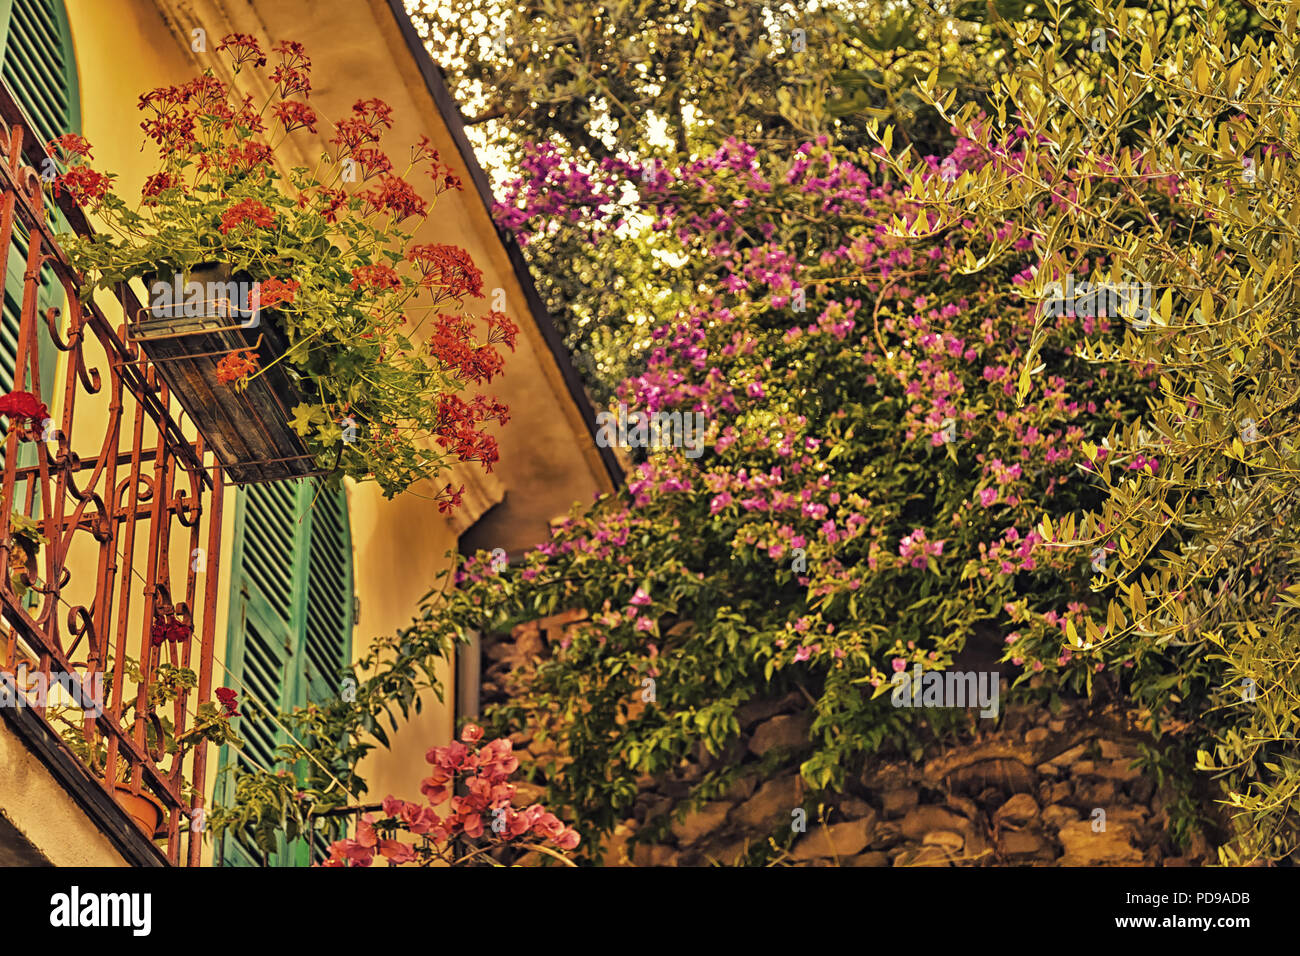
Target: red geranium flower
x: 378, y: 277
x: 169, y: 628
x: 424, y: 151
x: 229, y: 700
x: 373, y: 161
x: 393, y: 195
x: 156, y: 184
x: 295, y: 115
x: 70, y: 144
x: 20, y: 406
x: 448, y: 500
x: 374, y: 112
x: 449, y: 268
x: 352, y: 134
x: 204, y: 92
x: 247, y: 211
x: 291, y: 80
x: 243, y: 49
x: 335, y: 199
x: 246, y: 156
x: 293, y: 52
x: 274, y: 291
x: 83, y: 184
x: 501, y: 329
x: 236, y: 365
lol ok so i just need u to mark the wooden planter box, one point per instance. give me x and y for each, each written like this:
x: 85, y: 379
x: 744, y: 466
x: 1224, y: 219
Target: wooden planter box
x: 247, y: 429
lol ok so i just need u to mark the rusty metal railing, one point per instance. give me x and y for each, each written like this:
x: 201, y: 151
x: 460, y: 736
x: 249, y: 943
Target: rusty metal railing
x: 130, y: 510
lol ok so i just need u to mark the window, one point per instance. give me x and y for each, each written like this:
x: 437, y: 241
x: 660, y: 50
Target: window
x: 291, y: 617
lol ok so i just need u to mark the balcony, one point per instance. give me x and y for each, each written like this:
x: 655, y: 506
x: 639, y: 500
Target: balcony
x: 129, y: 506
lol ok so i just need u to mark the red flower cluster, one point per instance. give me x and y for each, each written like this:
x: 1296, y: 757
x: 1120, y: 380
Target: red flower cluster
x: 351, y: 135
x: 448, y: 268
x: 444, y: 178
x: 206, y: 93
x: 291, y: 75
x: 229, y: 701
x: 295, y: 115
x: 485, y: 809
x: 249, y: 211
x: 236, y: 365
x: 169, y: 627
x: 244, y: 157
x: 423, y: 151
x: 335, y: 199
x: 23, y: 406
x: 274, y: 291
x: 243, y: 49
x: 501, y: 329
x: 448, y: 500
x: 456, y: 431
x: 373, y: 162
x: 450, y: 345
x: 393, y: 195
x: 172, y: 131
x: 374, y: 112
x: 70, y: 144
x: 442, y: 175
x: 378, y: 277
x: 178, y: 110
x: 158, y: 183
x: 83, y: 184
x: 362, y: 127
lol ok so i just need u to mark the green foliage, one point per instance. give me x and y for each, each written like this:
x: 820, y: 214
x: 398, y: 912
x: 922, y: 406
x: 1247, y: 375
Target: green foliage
x: 170, y: 682
x: 314, y: 776
x: 826, y: 434
x: 1172, y: 160
x: 26, y: 533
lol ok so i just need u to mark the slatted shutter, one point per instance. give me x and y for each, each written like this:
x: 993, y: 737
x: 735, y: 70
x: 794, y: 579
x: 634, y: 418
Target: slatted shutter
x: 260, y: 644
x: 39, y: 65
x: 40, y: 70
x: 290, y: 624
x: 329, y: 609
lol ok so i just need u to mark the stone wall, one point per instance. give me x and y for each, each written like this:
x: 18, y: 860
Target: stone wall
x: 1035, y: 789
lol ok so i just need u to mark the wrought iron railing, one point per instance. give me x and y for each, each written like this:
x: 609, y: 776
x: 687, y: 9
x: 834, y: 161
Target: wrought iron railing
x: 130, y: 510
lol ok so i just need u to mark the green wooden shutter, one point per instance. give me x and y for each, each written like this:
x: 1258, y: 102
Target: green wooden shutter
x: 290, y: 624
x: 39, y: 67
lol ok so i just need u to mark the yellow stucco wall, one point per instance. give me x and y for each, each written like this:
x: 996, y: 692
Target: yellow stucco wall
x: 124, y: 47
x: 37, y: 805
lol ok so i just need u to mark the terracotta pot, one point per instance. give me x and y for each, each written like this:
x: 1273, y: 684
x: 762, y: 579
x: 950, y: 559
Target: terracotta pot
x: 247, y: 429
x: 144, y: 808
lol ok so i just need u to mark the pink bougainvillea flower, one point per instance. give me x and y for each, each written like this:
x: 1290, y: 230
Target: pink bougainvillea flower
x: 366, y: 831
x: 568, y: 840
x: 471, y: 734
x: 397, y: 852
x: 436, y: 787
